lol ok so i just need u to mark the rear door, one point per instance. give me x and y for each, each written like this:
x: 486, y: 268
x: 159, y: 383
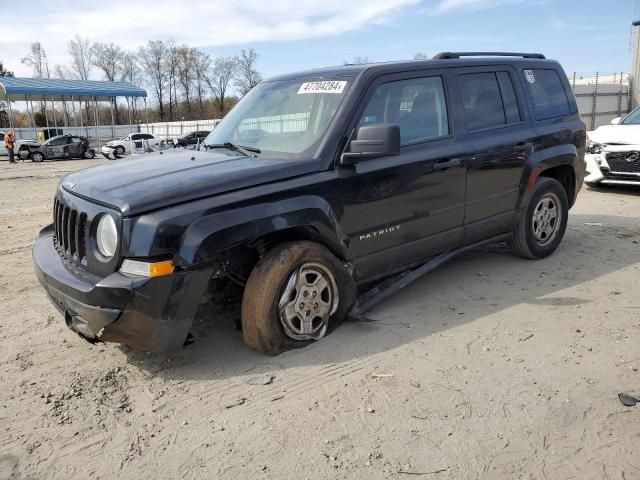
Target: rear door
x: 498, y: 139
x: 400, y: 210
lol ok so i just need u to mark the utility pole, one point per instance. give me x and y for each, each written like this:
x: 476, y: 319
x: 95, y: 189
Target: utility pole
x: 635, y: 67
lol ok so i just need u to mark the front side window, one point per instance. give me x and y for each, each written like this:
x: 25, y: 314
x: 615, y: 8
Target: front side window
x: 547, y: 93
x: 58, y: 141
x: 284, y: 118
x: 418, y: 105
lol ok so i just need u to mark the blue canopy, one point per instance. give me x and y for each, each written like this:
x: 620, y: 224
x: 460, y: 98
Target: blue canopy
x: 46, y: 88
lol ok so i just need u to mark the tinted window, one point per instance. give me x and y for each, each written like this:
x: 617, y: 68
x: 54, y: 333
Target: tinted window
x: 58, y: 141
x: 482, y: 100
x: 547, y: 93
x: 146, y: 136
x: 418, y: 105
x: 511, y: 110
x: 136, y: 136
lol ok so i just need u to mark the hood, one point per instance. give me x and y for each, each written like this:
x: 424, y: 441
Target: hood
x: 30, y: 143
x: 620, y: 134
x: 159, y: 180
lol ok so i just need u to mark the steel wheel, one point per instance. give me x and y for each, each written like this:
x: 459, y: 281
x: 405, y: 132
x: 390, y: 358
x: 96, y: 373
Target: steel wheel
x: 546, y: 219
x: 307, y: 302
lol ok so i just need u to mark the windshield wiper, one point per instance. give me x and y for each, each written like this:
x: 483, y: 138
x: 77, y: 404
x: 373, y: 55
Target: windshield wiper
x: 248, y: 151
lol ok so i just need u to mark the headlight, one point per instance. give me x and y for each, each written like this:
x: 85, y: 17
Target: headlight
x: 593, y: 147
x: 107, y: 236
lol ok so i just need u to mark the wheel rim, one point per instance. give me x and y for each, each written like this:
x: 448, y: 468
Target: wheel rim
x: 37, y: 157
x: 307, y: 302
x: 546, y: 219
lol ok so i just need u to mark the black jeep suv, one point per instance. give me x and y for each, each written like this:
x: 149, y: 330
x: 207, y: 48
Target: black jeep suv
x: 315, y: 184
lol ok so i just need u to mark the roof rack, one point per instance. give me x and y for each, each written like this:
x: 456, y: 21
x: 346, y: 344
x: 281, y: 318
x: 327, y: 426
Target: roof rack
x: 452, y: 55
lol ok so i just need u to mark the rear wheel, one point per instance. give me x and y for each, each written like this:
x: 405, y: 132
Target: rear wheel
x: 89, y: 153
x: 37, y: 157
x: 296, y: 294
x: 540, y: 230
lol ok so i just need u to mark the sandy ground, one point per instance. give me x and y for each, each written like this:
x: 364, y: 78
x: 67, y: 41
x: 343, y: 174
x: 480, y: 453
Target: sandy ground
x: 492, y: 367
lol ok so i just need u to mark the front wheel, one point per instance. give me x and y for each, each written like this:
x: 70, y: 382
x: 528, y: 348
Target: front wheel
x: 119, y: 150
x: 540, y: 229
x: 296, y: 294
x: 37, y: 157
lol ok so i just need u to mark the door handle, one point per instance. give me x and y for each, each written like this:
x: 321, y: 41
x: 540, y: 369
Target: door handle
x: 521, y: 147
x: 443, y: 164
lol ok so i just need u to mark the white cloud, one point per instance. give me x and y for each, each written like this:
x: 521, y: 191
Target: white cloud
x: 201, y: 23
x: 449, y: 6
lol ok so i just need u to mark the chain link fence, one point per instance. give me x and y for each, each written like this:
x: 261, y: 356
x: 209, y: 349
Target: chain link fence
x: 601, y: 96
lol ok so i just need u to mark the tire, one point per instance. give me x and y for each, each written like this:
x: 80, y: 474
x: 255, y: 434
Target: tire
x: 119, y: 150
x: 89, y: 154
x: 286, y: 271
x: 37, y: 157
x: 539, y: 231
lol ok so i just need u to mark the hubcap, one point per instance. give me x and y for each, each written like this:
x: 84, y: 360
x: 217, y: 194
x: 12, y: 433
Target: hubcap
x: 546, y: 219
x: 309, y: 299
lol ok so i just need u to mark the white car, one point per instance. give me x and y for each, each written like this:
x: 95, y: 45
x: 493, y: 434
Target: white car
x: 613, y: 152
x: 140, y: 140
x: 16, y: 145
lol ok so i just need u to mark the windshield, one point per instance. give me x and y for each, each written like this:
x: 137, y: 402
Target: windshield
x: 633, y: 118
x: 283, y: 118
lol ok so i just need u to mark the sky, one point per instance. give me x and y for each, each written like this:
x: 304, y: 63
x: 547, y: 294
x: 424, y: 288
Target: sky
x: 291, y: 35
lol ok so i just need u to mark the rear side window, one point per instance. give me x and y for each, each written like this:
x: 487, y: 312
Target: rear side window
x: 482, y: 100
x: 511, y: 110
x: 547, y: 93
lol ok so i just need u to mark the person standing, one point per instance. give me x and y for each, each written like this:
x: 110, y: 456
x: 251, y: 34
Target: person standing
x: 8, y: 144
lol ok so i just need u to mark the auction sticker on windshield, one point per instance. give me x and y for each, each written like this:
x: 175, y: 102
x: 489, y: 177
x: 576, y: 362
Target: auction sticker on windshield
x: 322, y: 87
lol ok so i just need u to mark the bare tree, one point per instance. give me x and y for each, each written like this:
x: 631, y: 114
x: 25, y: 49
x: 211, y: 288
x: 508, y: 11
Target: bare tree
x: 130, y: 72
x: 37, y: 60
x: 81, y: 56
x: 247, y: 75
x: 186, y: 74
x: 201, y: 65
x: 108, y: 58
x: 152, y: 58
x: 171, y: 67
x: 420, y: 56
x: 81, y: 61
x: 4, y: 72
x: 220, y: 77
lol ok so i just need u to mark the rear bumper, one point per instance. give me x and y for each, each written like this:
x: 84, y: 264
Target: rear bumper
x: 148, y: 314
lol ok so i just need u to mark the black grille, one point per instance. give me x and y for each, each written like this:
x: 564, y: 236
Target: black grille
x: 624, y: 162
x: 70, y: 231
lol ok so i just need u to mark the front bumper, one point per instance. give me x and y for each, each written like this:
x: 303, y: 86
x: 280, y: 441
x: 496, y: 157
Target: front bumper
x: 148, y: 314
x: 599, y: 172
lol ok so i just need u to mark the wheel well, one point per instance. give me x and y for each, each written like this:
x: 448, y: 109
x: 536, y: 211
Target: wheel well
x: 566, y: 176
x: 240, y: 260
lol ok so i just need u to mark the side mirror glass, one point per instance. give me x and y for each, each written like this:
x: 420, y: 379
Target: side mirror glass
x: 373, y: 141
x: 616, y: 121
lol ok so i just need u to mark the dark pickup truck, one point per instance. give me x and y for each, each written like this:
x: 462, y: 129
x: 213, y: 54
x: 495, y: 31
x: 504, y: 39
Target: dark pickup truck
x: 315, y: 185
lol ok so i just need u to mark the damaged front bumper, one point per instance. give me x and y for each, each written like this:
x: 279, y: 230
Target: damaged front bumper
x: 147, y: 314
x: 600, y: 171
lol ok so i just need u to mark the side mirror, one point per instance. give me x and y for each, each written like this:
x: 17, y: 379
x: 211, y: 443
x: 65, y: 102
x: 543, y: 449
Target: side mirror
x: 616, y: 121
x: 373, y: 141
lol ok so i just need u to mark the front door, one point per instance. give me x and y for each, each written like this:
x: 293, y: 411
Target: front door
x: 400, y: 210
x: 56, y: 148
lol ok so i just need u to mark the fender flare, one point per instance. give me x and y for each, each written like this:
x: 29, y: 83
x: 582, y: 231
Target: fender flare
x: 538, y: 162
x: 219, y: 231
